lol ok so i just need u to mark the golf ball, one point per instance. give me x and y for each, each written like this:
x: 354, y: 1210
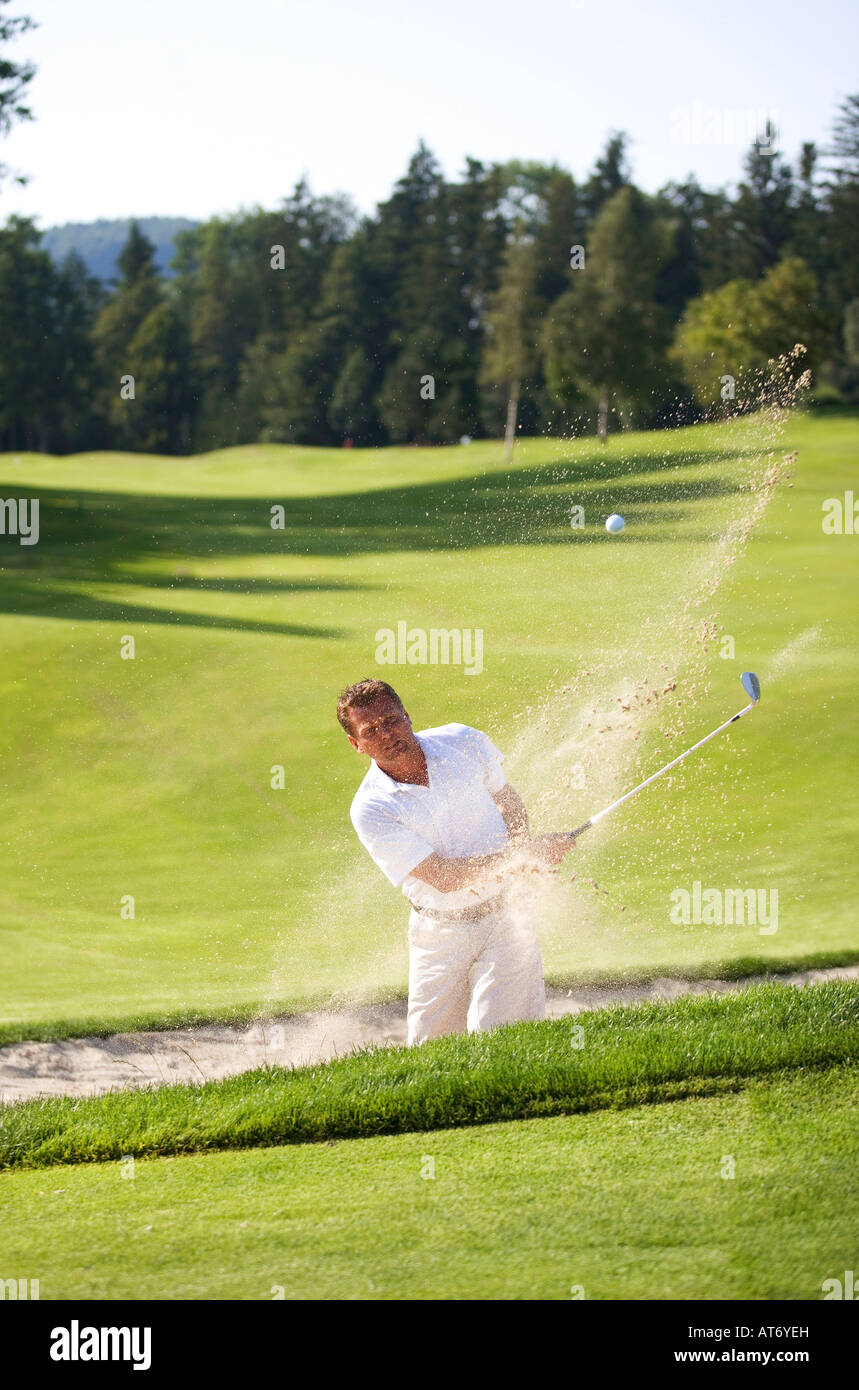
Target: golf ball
x: 615, y: 524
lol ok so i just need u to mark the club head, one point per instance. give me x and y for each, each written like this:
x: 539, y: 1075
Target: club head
x: 751, y: 685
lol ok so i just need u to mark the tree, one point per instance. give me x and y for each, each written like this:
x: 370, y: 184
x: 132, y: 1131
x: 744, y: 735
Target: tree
x: 738, y: 329
x: 611, y: 173
x: 45, y: 354
x: 257, y: 388
x: 408, y: 399
x: 707, y: 229
x: 220, y: 323
x: 841, y: 206
x: 351, y: 412
x: 509, y: 352
x: 844, y: 150
x: 246, y: 286
x: 478, y: 235
x: 763, y: 211
x: 276, y: 402
x: 523, y: 192
x: 27, y: 285
x: 14, y: 80
x: 78, y: 297
x: 846, y: 372
x: 714, y: 342
x: 137, y: 293
x: 336, y: 334
x: 158, y: 357
x: 558, y: 228
x: 406, y: 228
x: 680, y: 277
x: 787, y: 311
x: 422, y: 324
x: 306, y: 323
x: 606, y: 336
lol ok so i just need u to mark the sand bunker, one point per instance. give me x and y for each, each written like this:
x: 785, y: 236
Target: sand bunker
x: 91, y: 1066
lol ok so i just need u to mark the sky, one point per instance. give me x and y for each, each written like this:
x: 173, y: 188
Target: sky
x: 198, y: 107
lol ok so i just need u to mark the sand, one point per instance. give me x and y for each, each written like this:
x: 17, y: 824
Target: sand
x: 122, y: 1061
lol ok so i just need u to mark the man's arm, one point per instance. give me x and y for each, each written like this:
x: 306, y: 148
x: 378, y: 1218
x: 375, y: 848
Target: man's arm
x: 512, y: 808
x: 450, y: 875
x: 545, y: 849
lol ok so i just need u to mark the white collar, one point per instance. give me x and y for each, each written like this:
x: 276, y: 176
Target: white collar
x: 392, y: 784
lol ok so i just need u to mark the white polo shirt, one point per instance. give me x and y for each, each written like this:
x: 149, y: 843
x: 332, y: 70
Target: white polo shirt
x: 399, y: 824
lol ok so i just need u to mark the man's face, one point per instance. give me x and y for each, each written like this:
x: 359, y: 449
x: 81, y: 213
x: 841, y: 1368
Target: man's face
x: 382, y: 730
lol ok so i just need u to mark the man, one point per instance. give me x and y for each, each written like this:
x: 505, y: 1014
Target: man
x: 438, y: 816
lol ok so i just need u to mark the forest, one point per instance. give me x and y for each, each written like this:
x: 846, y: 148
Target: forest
x: 513, y: 297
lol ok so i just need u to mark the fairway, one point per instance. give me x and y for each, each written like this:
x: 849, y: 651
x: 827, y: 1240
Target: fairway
x: 428, y: 677
x: 151, y: 778
x: 618, y: 1056
x: 632, y: 1204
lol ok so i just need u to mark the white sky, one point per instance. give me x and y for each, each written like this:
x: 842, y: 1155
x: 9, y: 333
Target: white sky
x: 192, y: 107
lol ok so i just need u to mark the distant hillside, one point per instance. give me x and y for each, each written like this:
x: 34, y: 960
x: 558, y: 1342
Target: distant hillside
x: 99, y: 243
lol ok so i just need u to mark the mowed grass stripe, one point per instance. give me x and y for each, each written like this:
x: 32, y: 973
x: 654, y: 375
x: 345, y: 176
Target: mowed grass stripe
x: 623, y: 1056
x: 626, y: 1203
x: 260, y: 1011
x: 152, y: 777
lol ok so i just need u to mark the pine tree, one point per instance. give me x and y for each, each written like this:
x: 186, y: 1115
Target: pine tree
x: 28, y: 286
x: 610, y: 174
x: 510, y: 351
x: 606, y: 336
x: 764, y: 210
x: 842, y: 204
x: 137, y: 293
x: 79, y: 297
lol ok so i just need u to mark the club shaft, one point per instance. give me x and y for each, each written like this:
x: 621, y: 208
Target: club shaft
x: 614, y: 805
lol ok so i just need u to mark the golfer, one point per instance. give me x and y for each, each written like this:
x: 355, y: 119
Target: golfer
x: 437, y: 815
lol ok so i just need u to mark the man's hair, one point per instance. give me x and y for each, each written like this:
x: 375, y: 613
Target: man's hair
x: 360, y: 696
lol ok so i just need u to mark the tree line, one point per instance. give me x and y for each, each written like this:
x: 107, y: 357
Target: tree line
x: 513, y: 297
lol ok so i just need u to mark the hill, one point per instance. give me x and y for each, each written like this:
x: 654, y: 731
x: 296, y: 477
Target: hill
x: 99, y: 243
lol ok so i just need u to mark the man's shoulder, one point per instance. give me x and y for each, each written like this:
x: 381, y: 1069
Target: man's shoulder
x: 449, y: 733
x: 373, y: 796
x: 462, y: 740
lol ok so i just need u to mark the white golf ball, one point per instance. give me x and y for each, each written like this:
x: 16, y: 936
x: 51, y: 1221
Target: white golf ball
x: 615, y: 524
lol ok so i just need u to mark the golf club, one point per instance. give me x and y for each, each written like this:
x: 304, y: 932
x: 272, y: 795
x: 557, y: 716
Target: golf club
x: 752, y: 687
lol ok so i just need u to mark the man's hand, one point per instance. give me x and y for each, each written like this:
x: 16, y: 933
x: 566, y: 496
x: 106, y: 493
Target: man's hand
x: 478, y: 870
x: 512, y: 808
x: 551, y: 849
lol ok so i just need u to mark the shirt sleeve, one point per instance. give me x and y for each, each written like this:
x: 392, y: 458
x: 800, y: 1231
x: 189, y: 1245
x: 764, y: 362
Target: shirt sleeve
x: 491, y: 759
x: 391, y: 845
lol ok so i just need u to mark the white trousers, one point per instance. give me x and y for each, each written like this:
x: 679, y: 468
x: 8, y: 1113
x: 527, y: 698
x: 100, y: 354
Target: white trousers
x: 472, y: 975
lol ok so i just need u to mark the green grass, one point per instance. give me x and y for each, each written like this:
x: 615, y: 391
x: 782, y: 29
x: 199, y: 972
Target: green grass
x: 623, y: 1056
x: 628, y: 1204
x: 263, y: 1011
x: 151, y: 777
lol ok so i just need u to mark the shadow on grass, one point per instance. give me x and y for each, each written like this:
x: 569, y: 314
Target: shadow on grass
x: 107, y: 537
x: 36, y: 600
